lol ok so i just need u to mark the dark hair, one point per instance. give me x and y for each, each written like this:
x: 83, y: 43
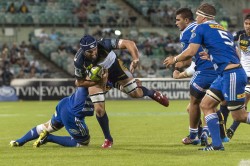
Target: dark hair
x: 185, y: 13
x: 207, y: 8
x: 247, y: 17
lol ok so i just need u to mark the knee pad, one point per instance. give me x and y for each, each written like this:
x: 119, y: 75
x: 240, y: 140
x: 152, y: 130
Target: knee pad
x: 247, y: 89
x: 215, y: 95
x: 46, y: 126
x: 84, y: 142
x: 130, y: 87
x: 235, y: 105
x: 97, y: 98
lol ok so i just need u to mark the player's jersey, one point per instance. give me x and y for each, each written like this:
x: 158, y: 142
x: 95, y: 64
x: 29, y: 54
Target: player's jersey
x: 244, y: 44
x: 105, y: 57
x: 80, y: 104
x: 218, y: 42
x: 184, y: 39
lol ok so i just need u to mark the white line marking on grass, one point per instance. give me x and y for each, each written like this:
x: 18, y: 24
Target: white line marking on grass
x: 9, y: 115
x: 147, y: 113
x: 244, y: 163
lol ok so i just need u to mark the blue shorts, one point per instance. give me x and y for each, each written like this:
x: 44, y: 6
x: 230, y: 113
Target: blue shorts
x: 231, y: 84
x: 201, y: 81
x: 75, y: 126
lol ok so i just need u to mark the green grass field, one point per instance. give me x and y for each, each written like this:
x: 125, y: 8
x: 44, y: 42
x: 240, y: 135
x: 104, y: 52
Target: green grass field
x: 144, y: 133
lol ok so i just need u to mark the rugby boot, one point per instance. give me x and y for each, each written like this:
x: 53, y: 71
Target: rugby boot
x: 189, y: 141
x: 230, y: 133
x: 160, y: 98
x: 107, y: 144
x: 14, y: 144
x: 212, y: 148
x: 42, y: 139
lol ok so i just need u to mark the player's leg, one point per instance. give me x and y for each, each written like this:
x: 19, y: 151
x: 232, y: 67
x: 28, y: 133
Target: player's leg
x: 120, y: 76
x: 76, y: 127
x: 208, y: 105
x: 97, y: 97
x: 231, y: 130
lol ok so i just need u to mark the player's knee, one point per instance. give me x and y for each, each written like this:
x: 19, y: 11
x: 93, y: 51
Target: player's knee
x: 46, y: 126
x: 138, y: 93
x: 132, y: 89
x: 83, y: 142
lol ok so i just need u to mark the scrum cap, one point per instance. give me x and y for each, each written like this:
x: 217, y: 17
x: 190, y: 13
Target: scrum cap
x: 88, y: 42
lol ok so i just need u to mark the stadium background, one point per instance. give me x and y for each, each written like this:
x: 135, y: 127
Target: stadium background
x: 40, y: 37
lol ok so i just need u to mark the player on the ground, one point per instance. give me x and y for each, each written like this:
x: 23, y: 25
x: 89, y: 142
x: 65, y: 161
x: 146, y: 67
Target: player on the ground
x: 92, y: 53
x: 242, y: 38
x: 70, y: 113
x: 231, y: 81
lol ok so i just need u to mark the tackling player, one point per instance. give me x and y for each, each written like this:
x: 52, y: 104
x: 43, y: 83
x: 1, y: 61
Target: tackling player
x: 243, y: 41
x: 231, y: 81
x: 92, y: 53
x: 70, y: 113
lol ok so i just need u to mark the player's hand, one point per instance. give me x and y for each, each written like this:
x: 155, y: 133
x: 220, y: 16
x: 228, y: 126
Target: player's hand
x: 176, y: 74
x: 204, y: 55
x: 104, y: 79
x: 134, y: 64
x: 169, y: 61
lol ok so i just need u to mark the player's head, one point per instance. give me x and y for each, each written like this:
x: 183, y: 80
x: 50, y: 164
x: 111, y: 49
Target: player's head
x: 247, y: 23
x: 205, y: 12
x: 89, y: 46
x: 183, y: 17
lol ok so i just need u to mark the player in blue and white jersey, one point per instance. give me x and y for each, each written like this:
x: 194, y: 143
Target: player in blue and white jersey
x: 242, y: 39
x: 232, y: 79
x: 70, y: 113
x: 202, y: 78
x: 92, y: 53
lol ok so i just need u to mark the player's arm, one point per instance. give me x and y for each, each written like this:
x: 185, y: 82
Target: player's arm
x: 186, y: 73
x: 188, y: 53
x: 82, y: 79
x: 133, y: 50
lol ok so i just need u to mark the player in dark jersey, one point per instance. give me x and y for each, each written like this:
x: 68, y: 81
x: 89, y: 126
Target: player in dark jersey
x: 242, y: 39
x: 92, y: 53
x: 230, y: 84
x: 70, y: 113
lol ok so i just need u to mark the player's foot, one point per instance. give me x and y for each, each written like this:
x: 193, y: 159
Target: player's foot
x: 188, y: 141
x: 107, y: 144
x: 204, y: 139
x: 212, y: 148
x: 225, y: 139
x: 160, y: 98
x: 230, y: 133
x: 42, y: 139
x: 14, y: 144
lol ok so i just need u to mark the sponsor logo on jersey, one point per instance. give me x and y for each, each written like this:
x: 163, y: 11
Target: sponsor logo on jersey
x: 217, y: 26
x: 74, y: 131
x: 240, y: 96
x: 193, y: 35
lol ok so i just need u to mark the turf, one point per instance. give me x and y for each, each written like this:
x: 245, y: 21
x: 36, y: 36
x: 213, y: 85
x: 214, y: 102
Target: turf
x: 144, y: 133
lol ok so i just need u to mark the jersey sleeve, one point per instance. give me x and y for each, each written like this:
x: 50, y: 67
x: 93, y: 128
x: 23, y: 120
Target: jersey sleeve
x: 197, y: 35
x: 109, y: 44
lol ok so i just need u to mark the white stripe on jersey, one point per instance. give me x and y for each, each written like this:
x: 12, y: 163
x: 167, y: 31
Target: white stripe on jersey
x: 192, y: 25
x: 245, y: 61
x: 232, y: 95
x: 108, y: 61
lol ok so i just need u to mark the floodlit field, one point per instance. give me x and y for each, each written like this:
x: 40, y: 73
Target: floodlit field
x: 144, y: 133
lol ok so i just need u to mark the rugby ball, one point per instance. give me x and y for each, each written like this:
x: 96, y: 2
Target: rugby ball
x: 95, y: 73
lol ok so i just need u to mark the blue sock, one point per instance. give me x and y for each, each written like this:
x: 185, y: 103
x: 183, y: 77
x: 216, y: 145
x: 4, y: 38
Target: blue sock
x: 147, y: 92
x: 62, y: 140
x: 213, y: 125
x: 235, y: 125
x: 225, y: 112
x: 104, y: 123
x: 30, y: 135
x: 193, y: 133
